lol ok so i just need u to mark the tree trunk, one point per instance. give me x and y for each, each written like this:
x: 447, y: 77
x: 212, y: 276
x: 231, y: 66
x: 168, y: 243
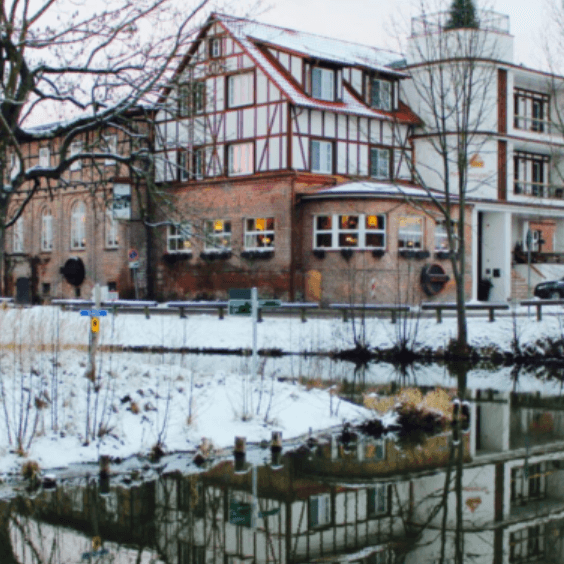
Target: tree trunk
x: 462, y: 338
x: 6, y: 551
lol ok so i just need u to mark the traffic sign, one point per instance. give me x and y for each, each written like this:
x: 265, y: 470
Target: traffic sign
x: 134, y: 264
x: 240, y: 307
x: 133, y: 254
x: 95, y: 325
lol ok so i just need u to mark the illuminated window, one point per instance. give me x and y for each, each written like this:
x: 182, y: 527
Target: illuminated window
x: 217, y: 235
x: 112, y: 231
x: 241, y: 88
x: 75, y: 149
x: 410, y: 234
x: 259, y: 233
x: 322, y: 157
x: 78, y: 226
x: 46, y: 231
x: 441, y: 236
x: 380, y: 163
x: 360, y: 231
x: 240, y: 159
x: 323, y: 84
x: 18, y: 242
x: 179, y: 238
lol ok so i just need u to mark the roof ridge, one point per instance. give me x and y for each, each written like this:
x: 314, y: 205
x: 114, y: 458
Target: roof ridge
x: 228, y: 16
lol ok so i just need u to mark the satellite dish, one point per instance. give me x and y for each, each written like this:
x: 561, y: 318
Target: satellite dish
x: 74, y: 271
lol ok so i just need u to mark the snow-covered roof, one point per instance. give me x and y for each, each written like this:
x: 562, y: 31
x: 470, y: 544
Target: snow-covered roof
x: 249, y: 34
x: 315, y: 46
x: 369, y: 188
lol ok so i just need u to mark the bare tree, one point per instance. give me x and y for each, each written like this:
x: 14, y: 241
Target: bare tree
x: 450, y: 89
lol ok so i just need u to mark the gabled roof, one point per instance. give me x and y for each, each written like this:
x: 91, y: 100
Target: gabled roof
x: 252, y: 36
x: 315, y: 46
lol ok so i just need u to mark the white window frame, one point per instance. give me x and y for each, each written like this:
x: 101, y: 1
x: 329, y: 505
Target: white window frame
x: 75, y: 149
x: 44, y: 157
x: 407, y: 232
x: 18, y: 237
x: 78, y: 226
x: 362, y: 230
x: 385, y: 89
x: 323, y: 84
x: 216, y: 236
x: 240, y: 159
x: 241, y: 89
x: 46, y: 231
x: 322, y: 156
x: 110, y: 142
x: 441, y: 236
x: 380, y: 163
x: 198, y: 159
x: 111, y: 231
x: 215, y: 47
x: 179, y: 238
x: 322, y: 517
x: 255, y: 234
x: 381, y: 501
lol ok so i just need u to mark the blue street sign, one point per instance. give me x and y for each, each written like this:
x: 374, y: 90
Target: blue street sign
x: 133, y: 255
x: 94, y: 312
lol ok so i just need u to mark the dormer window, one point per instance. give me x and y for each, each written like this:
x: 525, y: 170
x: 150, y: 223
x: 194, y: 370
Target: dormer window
x: 323, y: 84
x: 381, y: 94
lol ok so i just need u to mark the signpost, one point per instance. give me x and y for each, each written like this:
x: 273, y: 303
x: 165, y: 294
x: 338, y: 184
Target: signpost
x: 245, y: 302
x: 133, y: 257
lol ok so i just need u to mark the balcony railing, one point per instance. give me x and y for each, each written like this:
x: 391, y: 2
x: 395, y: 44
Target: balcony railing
x: 538, y: 190
x: 433, y: 23
x: 535, y: 125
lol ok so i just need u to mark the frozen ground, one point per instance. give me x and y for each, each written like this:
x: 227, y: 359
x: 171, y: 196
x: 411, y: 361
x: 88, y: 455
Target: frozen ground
x: 144, y: 399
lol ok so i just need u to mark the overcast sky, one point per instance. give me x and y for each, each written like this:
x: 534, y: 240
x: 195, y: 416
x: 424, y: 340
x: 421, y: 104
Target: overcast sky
x: 369, y: 21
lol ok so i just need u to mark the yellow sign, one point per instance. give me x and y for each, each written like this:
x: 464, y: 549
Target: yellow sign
x: 372, y: 221
x: 476, y: 161
x: 95, y: 324
x: 218, y: 225
x: 473, y: 503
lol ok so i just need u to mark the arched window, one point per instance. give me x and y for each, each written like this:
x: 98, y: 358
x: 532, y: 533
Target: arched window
x: 112, y: 230
x: 78, y: 226
x: 46, y: 230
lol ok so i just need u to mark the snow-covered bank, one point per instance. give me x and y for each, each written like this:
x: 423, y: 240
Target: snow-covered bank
x: 43, y: 326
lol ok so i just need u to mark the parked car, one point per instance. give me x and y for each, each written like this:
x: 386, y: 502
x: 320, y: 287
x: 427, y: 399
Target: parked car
x: 553, y: 290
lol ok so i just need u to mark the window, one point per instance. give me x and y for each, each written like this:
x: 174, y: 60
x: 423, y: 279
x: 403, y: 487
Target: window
x: 323, y: 84
x: 241, y: 159
x: 319, y: 510
x: 18, y: 243
x: 380, y: 163
x: 361, y: 231
x: 377, y: 500
x: 110, y: 146
x: 78, y: 226
x: 381, y: 94
x: 241, y: 89
x: 191, y: 98
x: 322, y: 157
x: 384, y: 557
x: 46, y: 288
x: 531, y: 174
x: 259, y: 233
x: 528, y: 483
x: 375, y: 450
x: 215, y: 47
x: 410, y: 234
x: 217, y: 234
x: 183, y: 161
x: 46, y: 231
x: 198, y: 163
x: 190, y: 554
x: 112, y: 231
x: 190, y: 496
x: 75, y: 149
x: 179, y: 238
x: 527, y: 545
x: 441, y: 236
x: 531, y: 110
x: 44, y: 157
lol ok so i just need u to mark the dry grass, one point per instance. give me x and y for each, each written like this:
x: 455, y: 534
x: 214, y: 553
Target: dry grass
x: 134, y: 407
x: 30, y: 470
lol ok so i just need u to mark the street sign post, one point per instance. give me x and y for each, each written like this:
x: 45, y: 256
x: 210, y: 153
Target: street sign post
x: 240, y: 307
x: 133, y: 257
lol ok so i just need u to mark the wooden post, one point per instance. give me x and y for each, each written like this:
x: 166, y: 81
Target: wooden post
x: 539, y: 314
x: 220, y: 312
x: 393, y: 311
x: 104, y: 474
x: 276, y: 448
x: 439, y: 315
x: 492, y: 315
x: 303, y: 314
x: 147, y: 316
x: 182, y: 316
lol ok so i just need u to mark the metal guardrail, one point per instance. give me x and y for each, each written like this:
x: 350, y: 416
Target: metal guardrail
x: 440, y: 306
x: 539, y: 304
x: 393, y: 309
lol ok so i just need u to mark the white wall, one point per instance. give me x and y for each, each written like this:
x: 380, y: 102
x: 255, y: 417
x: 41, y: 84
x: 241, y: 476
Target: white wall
x: 496, y: 253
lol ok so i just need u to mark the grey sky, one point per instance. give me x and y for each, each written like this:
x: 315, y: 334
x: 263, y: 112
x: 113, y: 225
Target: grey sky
x: 368, y: 21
